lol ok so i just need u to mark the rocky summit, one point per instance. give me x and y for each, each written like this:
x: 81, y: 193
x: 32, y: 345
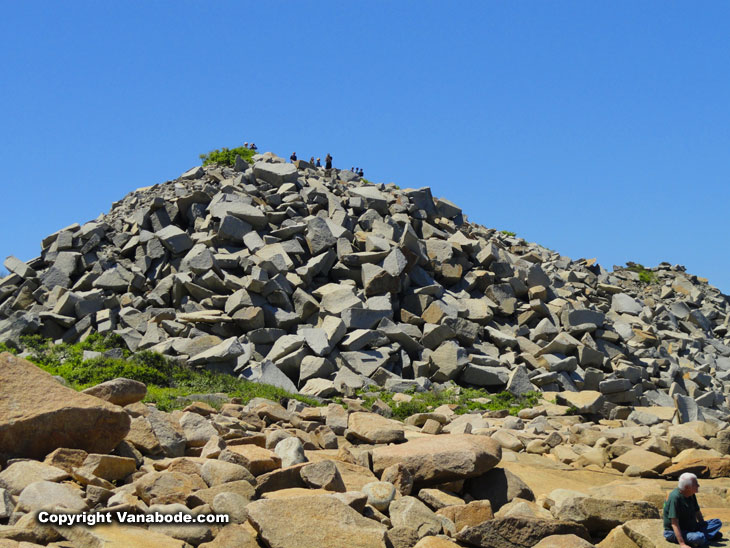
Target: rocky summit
x: 326, y: 285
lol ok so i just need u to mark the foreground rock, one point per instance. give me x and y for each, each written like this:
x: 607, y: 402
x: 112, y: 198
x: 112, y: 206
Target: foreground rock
x: 313, y: 522
x: 38, y: 415
x: 518, y: 531
x: 440, y: 459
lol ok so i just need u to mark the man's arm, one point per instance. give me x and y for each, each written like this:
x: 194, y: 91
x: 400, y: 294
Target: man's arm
x: 678, y: 533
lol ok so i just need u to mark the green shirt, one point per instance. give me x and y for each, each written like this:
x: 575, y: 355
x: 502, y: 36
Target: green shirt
x: 683, y: 508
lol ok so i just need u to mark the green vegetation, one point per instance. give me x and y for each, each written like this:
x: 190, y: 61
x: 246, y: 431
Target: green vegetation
x: 166, y: 380
x: 226, y: 156
x: 508, y: 233
x: 465, y: 399
x: 645, y: 275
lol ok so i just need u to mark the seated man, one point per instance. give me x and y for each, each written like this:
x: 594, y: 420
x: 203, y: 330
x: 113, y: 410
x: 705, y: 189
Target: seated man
x: 683, y: 522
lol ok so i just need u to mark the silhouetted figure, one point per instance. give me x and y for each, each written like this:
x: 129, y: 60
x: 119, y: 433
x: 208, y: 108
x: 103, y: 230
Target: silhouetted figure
x: 319, y: 162
x: 293, y: 157
x: 311, y: 161
x: 328, y: 162
x: 245, y: 145
x: 253, y: 146
x: 361, y: 173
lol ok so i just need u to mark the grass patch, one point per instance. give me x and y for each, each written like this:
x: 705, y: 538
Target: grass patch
x: 645, y: 275
x: 227, y: 156
x: 465, y: 399
x: 508, y: 233
x: 166, y: 380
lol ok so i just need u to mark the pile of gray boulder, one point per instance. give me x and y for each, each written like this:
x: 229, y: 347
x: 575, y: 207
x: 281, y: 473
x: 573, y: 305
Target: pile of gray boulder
x: 322, y: 283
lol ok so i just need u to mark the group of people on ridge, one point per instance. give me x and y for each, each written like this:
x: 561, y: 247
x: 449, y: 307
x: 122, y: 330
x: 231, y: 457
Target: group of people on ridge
x: 327, y: 163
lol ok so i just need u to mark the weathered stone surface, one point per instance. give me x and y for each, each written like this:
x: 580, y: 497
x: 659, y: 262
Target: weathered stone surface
x: 602, y: 515
x: 468, y: 515
x: 718, y: 467
x: 19, y: 475
x: 498, y: 486
x: 43, y: 494
x: 373, y: 428
x: 441, y: 458
x: 38, y: 415
x: 118, y: 536
x: 108, y: 467
x: 517, y: 531
x: 411, y: 512
x: 288, y: 523
x: 119, y: 391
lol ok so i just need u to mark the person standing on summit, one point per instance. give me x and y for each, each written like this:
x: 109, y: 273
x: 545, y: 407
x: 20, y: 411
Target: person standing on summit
x: 293, y: 157
x: 328, y: 162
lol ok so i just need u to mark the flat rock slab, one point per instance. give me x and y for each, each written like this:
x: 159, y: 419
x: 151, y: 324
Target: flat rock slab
x: 313, y: 522
x: 518, y: 531
x: 38, y: 414
x: 118, y: 536
x: 442, y: 458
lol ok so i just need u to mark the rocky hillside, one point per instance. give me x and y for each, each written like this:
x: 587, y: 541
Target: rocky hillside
x: 322, y: 283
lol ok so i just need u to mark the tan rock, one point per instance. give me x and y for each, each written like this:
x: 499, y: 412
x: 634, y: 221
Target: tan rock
x: 467, y: 515
x: 232, y: 535
x: 563, y: 541
x: 257, y: 459
x: 66, y: 459
x: 118, y: 536
x: 702, y: 468
x: 602, y: 515
x: 373, y: 428
x: 44, y: 494
x: 288, y: 523
x: 508, y: 440
x: 19, y: 475
x: 108, y: 467
x: 617, y: 538
x: 143, y: 437
x: 241, y: 487
x: 517, y: 531
x: 435, y: 542
x: 167, y: 487
x: 411, y: 512
x: 118, y: 391
x: 647, y: 533
x: 646, y: 461
x: 294, y: 492
x: 696, y: 454
x: 216, y: 472
x: 522, y: 507
x: 585, y: 401
x: 440, y: 459
x: 38, y: 414
x: 436, y: 498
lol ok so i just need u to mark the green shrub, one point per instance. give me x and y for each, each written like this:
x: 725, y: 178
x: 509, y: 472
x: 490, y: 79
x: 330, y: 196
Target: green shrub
x: 645, y: 275
x: 465, y: 399
x: 226, y: 156
x: 508, y: 233
x: 166, y: 380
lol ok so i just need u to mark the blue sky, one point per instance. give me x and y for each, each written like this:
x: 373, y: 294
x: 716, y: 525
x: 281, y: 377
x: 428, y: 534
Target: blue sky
x: 595, y: 129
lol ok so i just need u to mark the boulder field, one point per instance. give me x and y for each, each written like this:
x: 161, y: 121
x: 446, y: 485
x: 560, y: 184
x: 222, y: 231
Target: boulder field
x: 288, y: 475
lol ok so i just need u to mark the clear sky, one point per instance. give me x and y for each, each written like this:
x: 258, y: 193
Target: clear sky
x: 597, y: 129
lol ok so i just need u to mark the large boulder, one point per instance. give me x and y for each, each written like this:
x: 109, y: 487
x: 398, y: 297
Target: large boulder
x: 498, y: 486
x: 518, y: 531
x: 440, y: 459
x: 38, y: 414
x: 313, y: 522
x: 602, y: 515
x: 119, y: 391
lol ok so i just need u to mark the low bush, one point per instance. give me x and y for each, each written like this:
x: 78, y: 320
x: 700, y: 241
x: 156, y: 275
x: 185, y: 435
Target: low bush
x: 227, y: 156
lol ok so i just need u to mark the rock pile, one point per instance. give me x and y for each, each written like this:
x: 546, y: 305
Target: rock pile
x: 326, y: 477
x: 320, y: 283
